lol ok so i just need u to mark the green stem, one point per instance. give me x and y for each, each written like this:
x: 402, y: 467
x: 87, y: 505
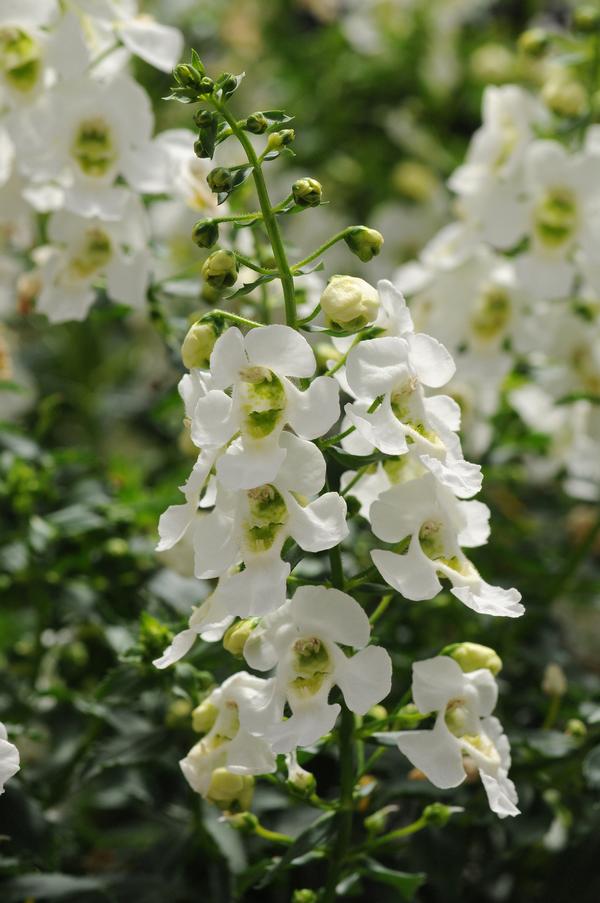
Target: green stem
x: 381, y: 608
x: 325, y: 443
x: 273, y: 836
x: 415, y: 826
x: 269, y: 218
x: 245, y: 261
x: 552, y: 713
x: 324, y: 247
x: 235, y: 318
x: 355, y: 479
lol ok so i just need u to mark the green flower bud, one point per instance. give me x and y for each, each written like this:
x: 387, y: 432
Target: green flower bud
x: 188, y: 76
x: 304, y: 895
x: 243, y: 821
x: 227, y: 83
x: 221, y: 269
x: 220, y: 179
x: 204, y: 717
x: 534, y: 42
x: 256, y: 123
x: 586, y: 19
x: 377, y: 822
x: 554, y: 682
x: 236, y: 636
x: 229, y: 790
x: 365, y: 243
x: 438, y: 814
x: 307, y: 192
x: 207, y: 86
x: 350, y: 302
x: 178, y: 713
x: 204, y: 119
x: 576, y: 728
x: 565, y: 96
x: 472, y: 656
x: 493, y: 63
x: 415, y: 181
x: 378, y: 712
x: 277, y: 140
x: 302, y: 781
x: 206, y: 233
x: 198, y: 345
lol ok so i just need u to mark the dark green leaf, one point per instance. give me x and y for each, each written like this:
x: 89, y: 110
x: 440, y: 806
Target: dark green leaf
x: 404, y: 882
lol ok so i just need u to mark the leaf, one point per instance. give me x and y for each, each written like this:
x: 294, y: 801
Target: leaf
x: 52, y: 886
x: 279, y: 116
x: 9, y: 385
x: 405, y: 882
x: 250, y: 286
x: 352, y: 462
x: 591, y: 768
x: 303, y: 844
x: 306, y: 271
x: 239, y: 177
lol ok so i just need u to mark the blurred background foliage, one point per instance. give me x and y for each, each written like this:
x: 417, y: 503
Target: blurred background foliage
x: 386, y: 96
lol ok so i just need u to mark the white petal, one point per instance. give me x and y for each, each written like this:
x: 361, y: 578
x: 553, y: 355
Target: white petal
x: 305, y: 727
x: 412, y: 574
x: 443, y: 410
x: 396, y: 313
x: 401, y: 509
x: 181, y: 645
x: 249, y: 755
x: 319, y: 525
x: 281, y: 349
x: 436, y: 681
x: 332, y: 614
x: 303, y: 469
x: 213, y: 420
x: 258, y: 589
x: 461, y: 477
x: 432, y: 361
x: 247, y: 464
x: 381, y: 429
x: 501, y: 794
x: 490, y: 600
x: 436, y: 753
x: 127, y: 279
x: 228, y: 358
x: 174, y: 523
x: 314, y: 411
x: 216, y: 544
x: 9, y: 760
x: 365, y: 679
x: 159, y: 45
x: 476, y: 531
x: 484, y: 683
x: 375, y: 366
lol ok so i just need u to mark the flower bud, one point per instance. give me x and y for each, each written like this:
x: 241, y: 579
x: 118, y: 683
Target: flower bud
x: 565, y: 96
x: 304, y: 895
x: 198, y: 345
x: 178, y: 713
x: 576, y: 728
x: 227, y: 83
x: 377, y: 822
x: 188, y: 76
x: 277, y: 140
x: 365, y: 243
x: 301, y: 780
x: 534, y: 42
x: 554, y: 682
x: 205, y: 119
x: 221, y: 269
x: 415, y: 181
x: 378, y: 712
x: 438, y: 814
x: 472, y: 656
x: 256, y: 123
x: 586, y: 18
x: 220, y: 179
x: 227, y: 790
x: 243, y: 821
x: 204, y: 716
x: 493, y: 63
x: 324, y: 353
x: 350, y: 302
x: 206, y: 233
x: 236, y: 636
x: 307, y: 192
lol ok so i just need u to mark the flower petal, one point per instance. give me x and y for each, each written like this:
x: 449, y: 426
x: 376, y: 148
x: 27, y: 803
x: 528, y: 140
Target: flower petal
x: 213, y: 420
x: 281, y: 349
x: 435, y: 681
x: 436, y: 753
x: 381, y: 428
x: 412, y: 574
x: 247, y: 464
x: 303, y: 469
x: 180, y: 646
x: 314, y: 411
x: 228, y: 358
x: 432, y: 362
x: 375, y: 366
x: 331, y: 613
x: 490, y: 600
x: 319, y: 525
x: 365, y: 679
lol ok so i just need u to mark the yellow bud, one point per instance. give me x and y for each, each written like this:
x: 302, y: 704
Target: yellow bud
x: 204, y: 716
x: 236, y: 636
x: 350, y: 302
x: 198, y: 345
x: 554, y: 682
x: 472, y: 656
x: 227, y: 790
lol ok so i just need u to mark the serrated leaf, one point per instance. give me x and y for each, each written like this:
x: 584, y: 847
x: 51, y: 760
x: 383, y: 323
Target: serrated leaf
x: 406, y: 883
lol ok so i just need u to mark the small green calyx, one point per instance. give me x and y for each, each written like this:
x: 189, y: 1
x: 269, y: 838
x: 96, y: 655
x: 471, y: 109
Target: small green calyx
x: 204, y: 119
x: 473, y: 656
x: 243, y: 821
x: 19, y: 58
x: 191, y: 82
x: 492, y: 313
x: 220, y: 269
x: 94, y: 254
x: 364, y: 242
x: 256, y: 124
x: 555, y: 217
x: 277, y: 140
x: 93, y: 147
x: 437, y: 814
x: 220, y: 180
x: 307, y: 192
x: 267, y: 514
x: 304, y: 895
x: 206, y: 233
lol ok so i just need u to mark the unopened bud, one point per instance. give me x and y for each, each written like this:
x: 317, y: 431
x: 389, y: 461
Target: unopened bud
x: 307, y: 192
x: 554, y: 682
x: 220, y: 179
x: 304, y: 895
x: 534, y: 42
x: 236, y: 636
x: 227, y: 83
x: 198, y: 345
x: 227, y: 790
x: 204, y: 717
x: 206, y: 233
x: 188, y: 76
x: 256, y: 123
x: 493, y: 63
x: 326, y: 353
x: 586, y: 18
x: 277, y: 140
x: 178, y: 713
x: 438, y: 814
x: 472, y: 656
x: 565, y: 96
x: 350, y: 302
x: 576, y: 728
x: 204, y: 119
x: 221, y: 269
x: 364, y: 242
x: 301, y: 780
x: 243, y: 821
x: 377, y: 822
x: 415, y: 181
x: 378, y: 712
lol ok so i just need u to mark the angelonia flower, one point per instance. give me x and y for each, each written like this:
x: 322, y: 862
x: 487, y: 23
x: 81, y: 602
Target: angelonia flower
x: 9, y: 758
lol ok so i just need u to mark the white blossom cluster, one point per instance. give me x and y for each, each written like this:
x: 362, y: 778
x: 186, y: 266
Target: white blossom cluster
x: 9, y: 758
x: 522, y: 252
x: 258, y: 488
x: 79, y: 159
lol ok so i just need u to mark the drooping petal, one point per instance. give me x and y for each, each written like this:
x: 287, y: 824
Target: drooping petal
x: 307, y: 725
x: 436, y: 753
x: 365, y: 679
x: 258, y: 589
x: 319, y: 525
x: 436, y: 681
x: 332, y: 614
x: 375, y: 366
x: 216, y: 544
x: 281, y: 349
x: 461, y: 477
x: 228, y: 358
x: 412, y: 574
x: 476, y: 531
x: 249, y: 755
x: 432, y: 362
x: 213, y: 420
x: 501, y: 794
x: 180, y: 646
x: 381, y: 428
x: 303, y: 469
x: 313, y: 412
x: 490, y: 600
x: 249, y: 463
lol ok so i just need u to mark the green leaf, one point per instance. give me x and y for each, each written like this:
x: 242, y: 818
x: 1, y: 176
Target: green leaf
x: 279, y: 116
x: 304, y: 843
x: 239, y: 177
x: 250, y: 286
x: 591, y: 768
x: 405, y: 882
x: 352, y: 462
x: 52, y: 886
x: 9, y: 385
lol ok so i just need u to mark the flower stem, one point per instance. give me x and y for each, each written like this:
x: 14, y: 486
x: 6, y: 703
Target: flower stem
x: 273, y: 836
x: 235, y: 318
x: 398, y: 834
x: 269, y: 218
x: 328, y: 244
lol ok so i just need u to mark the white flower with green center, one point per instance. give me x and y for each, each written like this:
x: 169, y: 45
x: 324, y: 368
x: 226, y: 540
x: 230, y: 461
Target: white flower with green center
x: 85, y: 251
x: 23, y: 47
x: 209, y: 621
x: 9, y: 758
x: 257, y: 369
x: 392, y: 413
x: 251, y: 526
x: 302, y: 642
x: 464, y: 729
x: 428, y: 526
x: 227, y: 717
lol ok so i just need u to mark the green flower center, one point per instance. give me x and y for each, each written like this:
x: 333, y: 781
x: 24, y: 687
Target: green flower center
x: 555, y: 217
x: 431, y: 537
x: 19, y: 58
x: 311, y: 664
x: 93, y: 147
x: 95, y: 252
x: 263, y: 401
x: 457, y: 717
x: 267, y: 514
x: 492, y: 312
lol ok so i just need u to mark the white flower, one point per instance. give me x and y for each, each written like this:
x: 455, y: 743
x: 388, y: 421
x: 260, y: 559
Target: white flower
x: 23, y: 47
x: 463, y: 729
x: 230, y: 742
x: 302, y: 641
x: 83, y: 250
x: 435, y: 525
x: 209, y: 621
x: 9, y: 758
x: 257, y: 368
x: 350, y: 302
